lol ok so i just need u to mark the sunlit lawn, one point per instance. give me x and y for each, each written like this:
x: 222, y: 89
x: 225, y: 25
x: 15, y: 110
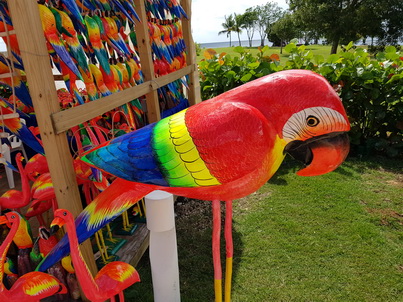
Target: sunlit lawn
x: 335, y: 237
x: 323, y: 50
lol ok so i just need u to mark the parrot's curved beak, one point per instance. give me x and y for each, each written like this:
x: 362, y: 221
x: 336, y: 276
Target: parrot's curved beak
x: 321, y: 154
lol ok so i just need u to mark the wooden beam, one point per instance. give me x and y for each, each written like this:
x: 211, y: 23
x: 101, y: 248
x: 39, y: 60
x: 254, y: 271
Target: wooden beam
x: 191, y: 58
x: 64, y: 120
x: 31, y: 40
x: 146, y: 60
x: 5, y: 33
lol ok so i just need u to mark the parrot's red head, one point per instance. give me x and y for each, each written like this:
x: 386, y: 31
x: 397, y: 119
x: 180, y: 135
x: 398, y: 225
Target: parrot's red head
x: 307, y: 114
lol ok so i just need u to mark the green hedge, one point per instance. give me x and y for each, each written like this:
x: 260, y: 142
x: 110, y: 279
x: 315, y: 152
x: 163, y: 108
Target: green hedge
x: 371, y: 87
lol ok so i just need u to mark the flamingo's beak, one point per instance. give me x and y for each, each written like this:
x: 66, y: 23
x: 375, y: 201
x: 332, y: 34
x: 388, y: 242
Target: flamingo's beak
x: 56, y: 224
x: 3, y: 220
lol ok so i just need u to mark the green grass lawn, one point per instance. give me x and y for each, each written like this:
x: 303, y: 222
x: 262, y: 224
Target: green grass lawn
x: 335, y: 237
x: 323, y: 50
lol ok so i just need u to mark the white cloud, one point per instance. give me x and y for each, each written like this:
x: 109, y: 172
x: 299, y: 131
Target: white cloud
x: 208, y: 15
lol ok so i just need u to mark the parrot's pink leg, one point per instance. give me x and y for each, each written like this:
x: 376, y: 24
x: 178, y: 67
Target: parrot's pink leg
x: 229, y: 248
x: 121, y: 297
x: 216, y: 207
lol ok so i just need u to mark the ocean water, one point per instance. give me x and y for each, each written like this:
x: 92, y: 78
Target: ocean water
x: 244, y: 43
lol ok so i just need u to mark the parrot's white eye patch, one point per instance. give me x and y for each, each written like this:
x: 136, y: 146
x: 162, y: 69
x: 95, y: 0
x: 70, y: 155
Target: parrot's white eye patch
x: 312, y: 122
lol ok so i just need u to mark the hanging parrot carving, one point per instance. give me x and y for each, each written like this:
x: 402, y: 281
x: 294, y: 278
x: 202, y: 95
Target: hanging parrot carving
x: 221, y: 149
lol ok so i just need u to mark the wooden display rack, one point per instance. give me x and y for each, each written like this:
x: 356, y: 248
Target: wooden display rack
x: 53, y: 122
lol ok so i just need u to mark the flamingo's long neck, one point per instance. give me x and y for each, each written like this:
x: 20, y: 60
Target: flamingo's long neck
x: 26, y: 189
x: 4, y: 249
x: 83, y: 273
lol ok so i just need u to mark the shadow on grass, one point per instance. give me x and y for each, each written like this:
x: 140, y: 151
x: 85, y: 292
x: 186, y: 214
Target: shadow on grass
x: 394, y: 165
x: 358, y: 165
x: 194, y: 228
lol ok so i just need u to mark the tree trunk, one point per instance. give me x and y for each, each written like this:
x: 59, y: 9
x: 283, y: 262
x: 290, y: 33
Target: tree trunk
x: 281, y: 46
x: 239, y: 39
x: 335, y: 44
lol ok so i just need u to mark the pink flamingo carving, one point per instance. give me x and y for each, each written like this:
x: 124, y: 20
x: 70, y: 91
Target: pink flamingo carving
x: 14, y: 199
x: 31, y: 287
x: 110, y: 281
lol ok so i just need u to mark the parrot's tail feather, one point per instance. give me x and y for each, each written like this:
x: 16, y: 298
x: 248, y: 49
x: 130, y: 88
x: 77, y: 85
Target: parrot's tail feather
x: 116, y: 199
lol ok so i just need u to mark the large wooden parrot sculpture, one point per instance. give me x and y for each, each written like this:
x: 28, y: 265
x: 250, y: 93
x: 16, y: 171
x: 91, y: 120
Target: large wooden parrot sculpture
x: 221, y: 149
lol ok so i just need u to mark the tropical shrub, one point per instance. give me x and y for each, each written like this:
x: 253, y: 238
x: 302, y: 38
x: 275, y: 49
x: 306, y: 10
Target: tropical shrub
x: 222, y: 72
x: 371, y: 87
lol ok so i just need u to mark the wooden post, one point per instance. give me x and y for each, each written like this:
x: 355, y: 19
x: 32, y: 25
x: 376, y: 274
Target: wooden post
x: 194, y: 84
x: 146, y: 60
x: 31, y: 40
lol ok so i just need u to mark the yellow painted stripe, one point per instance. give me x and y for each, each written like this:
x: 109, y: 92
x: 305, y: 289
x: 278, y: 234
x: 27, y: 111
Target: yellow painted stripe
x: 179, y: 156
x: 228, y: 279
x: 218, y: 290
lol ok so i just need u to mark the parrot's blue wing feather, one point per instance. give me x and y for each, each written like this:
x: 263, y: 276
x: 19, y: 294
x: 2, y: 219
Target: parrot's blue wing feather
x: 130, y: 157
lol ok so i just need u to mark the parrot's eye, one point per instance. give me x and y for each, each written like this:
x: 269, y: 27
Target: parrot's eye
x: 312, y: 121
x: 12, y: 216
x: 64, y: 213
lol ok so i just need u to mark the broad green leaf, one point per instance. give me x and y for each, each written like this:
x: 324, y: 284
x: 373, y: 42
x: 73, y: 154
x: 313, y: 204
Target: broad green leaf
x: 390, y: 49
x: 264, y: 49
x: 290, y: 47
x: 380, y: 56
x: 392, y: 56
x: 333, y: 58
x: 349, y: 45
x: 325, y: 70
x: 246, y: 77
x: 207, y: 87
x: 230, y: 74
x: 265, y: 71
x: 395, y: 77
x: 239, y: 49
x: 253, y: 65
x: 319, y: 59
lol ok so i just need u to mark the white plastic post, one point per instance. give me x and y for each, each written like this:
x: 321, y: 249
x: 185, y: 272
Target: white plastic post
x: 163, y: 246
x: 5, y: 150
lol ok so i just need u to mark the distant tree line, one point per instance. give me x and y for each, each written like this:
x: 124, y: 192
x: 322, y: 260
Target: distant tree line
x: 335, y: 21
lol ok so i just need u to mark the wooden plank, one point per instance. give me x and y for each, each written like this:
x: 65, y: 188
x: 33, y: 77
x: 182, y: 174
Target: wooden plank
x: 66, y: 119
x: 164, y: 80
x: 136, y: 245
x: 146, y: 60
x: 7, y: 75
x: 4, y: 33
x: 191, y: 58
x: 27, y: 24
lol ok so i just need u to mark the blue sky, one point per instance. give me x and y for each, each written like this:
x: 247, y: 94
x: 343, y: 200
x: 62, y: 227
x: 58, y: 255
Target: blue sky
x: 208, y: 15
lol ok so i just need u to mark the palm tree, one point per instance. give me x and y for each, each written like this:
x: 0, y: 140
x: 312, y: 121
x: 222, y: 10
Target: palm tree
x: 239, y: 24
x: 229, y: 26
